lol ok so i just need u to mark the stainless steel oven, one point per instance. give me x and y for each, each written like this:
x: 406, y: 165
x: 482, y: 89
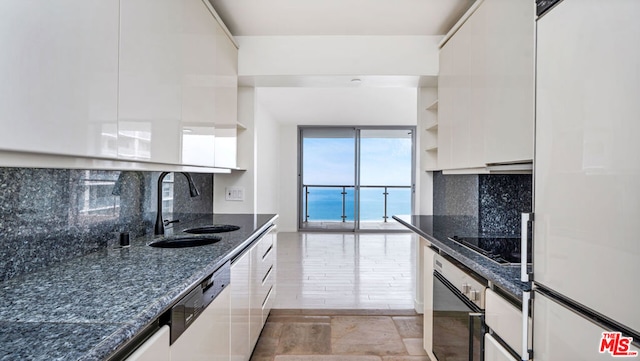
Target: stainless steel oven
x: 458, y: 312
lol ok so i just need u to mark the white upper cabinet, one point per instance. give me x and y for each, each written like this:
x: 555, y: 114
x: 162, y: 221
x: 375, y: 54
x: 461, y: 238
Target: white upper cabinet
x: 199, y: 85
x: 446, y: 110
x: 59, y: 67
x: 508, y: 74
x: 174, y: 61
x: 486, y: 88
x: 226, y: 101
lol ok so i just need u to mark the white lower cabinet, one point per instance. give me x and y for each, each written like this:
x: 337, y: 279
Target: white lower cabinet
x: 505, y: 320
x: 156, y: 348
x: 429, y: 255
x: 239, y: 328
x: 253, y: 290
x: 494, y: 351
x: 208, y: 336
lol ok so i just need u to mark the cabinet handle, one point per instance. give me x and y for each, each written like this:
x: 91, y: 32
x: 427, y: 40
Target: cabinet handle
x: 524, y: 232
x: 473, y: 315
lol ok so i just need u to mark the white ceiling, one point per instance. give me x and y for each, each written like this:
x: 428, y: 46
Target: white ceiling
x: 340, y: 17
x: 335, y: 100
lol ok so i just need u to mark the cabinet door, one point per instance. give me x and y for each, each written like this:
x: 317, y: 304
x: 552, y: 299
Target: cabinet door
x: 59, y: 71
x: 258, y: 294
x: 240, y: 303
x: 505, y: 320
x: 150, y: 92
x: 508, y: 96
x: 156, y: 348
x: 226, y: 100
x: 208, y: 336
x: 494, y: 351
x: 199, y: 84
x: 485, y: 87
x: 168, y: 82
x: 460, y: 142
x: 446, y: 105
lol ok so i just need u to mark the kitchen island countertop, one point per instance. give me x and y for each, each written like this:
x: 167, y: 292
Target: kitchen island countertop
x: 437, y: 229
x: 89, y: 307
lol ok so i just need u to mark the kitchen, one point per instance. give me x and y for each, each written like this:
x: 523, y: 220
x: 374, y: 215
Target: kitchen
x: 72, y: 180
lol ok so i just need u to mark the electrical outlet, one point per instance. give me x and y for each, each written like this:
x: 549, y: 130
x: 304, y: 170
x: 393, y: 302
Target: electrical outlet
x: 234, y: 193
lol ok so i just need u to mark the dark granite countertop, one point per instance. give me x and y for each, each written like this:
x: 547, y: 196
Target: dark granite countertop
x: 437, y: 229
x: 89, y: 307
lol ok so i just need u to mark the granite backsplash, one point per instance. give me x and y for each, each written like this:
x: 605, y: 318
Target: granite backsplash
x: 51, y: 215
x: 492, y: 203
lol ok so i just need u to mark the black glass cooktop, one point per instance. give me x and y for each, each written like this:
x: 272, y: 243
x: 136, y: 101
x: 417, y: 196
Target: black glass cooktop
x: 503, y: 250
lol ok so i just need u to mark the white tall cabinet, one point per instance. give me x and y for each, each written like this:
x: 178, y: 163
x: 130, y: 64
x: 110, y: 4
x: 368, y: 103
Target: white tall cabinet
x: 59, y: 71
x: 486, y: 87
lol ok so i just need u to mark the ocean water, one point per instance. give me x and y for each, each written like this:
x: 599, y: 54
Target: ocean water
x: 325, y: 204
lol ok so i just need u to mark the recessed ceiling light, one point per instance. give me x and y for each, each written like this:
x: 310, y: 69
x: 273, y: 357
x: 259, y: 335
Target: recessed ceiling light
x: 187, y: 130
x: 356, y: 81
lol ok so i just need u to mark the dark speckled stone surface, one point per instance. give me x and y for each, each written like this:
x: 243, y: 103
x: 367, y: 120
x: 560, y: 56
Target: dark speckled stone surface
x: 46, y: 339
x: 49, y: 216
x: 494, y: 200
x: 437, y: 229
x: 502, y: 199
x: 87, y: 307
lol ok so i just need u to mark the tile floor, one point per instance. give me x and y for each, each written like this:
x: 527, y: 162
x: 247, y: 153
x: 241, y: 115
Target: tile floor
x: 346, y: 271
x: 333, y: 335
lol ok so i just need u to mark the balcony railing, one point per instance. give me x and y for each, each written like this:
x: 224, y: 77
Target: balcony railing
x: 345, y: 202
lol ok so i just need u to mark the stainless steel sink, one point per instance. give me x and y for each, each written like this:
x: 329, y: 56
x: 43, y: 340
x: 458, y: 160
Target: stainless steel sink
x: 214, y: 228
x: 184, y: 241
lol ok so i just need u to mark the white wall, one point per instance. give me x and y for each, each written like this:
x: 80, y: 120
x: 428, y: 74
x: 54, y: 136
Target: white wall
x: 267, y: 157
x: 288, y: 180
x: 268, y: 148
x: 397, y: 107
x: 360, y: 105
x: 337, y: 55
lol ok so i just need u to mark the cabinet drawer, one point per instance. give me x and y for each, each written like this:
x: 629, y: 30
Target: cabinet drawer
x: 268, y: 280
x: 265, y: 244
x: 268, y: 303
x: 493, y: 351
x: 505, y: 320
x: 266, y: 260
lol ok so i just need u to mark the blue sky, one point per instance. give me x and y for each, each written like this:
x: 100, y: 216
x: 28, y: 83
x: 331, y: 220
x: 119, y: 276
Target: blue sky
x: 330, y: 161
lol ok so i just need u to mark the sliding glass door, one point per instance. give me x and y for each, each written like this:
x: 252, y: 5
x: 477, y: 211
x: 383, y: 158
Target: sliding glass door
x: 354, y: 178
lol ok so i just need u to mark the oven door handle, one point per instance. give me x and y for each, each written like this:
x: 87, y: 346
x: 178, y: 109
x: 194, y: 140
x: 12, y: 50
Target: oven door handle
x: 472, y: 316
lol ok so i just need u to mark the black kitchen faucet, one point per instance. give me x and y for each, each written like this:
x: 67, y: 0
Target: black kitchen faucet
x: 193, y: 191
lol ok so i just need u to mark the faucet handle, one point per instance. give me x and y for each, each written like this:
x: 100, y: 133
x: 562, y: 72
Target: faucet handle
x: 168, y: 222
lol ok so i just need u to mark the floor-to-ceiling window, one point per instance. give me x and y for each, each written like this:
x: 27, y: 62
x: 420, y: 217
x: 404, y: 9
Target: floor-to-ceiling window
x: 353, y: 178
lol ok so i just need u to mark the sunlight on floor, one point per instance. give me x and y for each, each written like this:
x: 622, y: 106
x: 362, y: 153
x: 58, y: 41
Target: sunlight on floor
x: 346, y: 271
